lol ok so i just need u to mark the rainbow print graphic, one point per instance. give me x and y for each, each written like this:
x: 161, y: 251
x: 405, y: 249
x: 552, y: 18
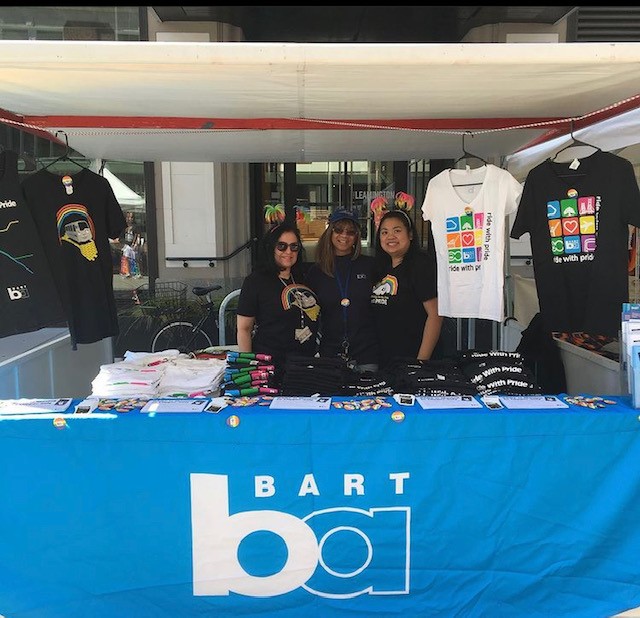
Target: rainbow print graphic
x: 297, y: 295
x: 77, y: 211
x: 387, y: 286
x: 465, y: 237
x: 573, y: 224
x: 75, y: 227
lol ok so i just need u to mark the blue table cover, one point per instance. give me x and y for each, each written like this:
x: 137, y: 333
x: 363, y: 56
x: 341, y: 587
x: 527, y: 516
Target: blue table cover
x: 322, y: 513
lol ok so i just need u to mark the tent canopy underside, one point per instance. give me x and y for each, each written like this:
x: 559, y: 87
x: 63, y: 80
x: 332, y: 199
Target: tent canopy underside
x: 240, y: 102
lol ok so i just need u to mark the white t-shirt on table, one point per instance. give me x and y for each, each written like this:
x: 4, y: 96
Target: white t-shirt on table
x: 468, y: 209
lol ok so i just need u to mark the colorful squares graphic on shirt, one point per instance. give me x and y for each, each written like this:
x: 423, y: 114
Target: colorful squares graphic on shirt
x: 573, y: 225
x: 469, y: 254
x: 587, y: 205
x: 557, y: 246
x: 570, y: 226
x: 587, y: 225
x: 452, y: 224
x: 555, y: 228
x: 465, y: 235
x: 572, y: 244
x: 466, y: 223
x: 453, y: 241
x: 468, y: 239
x: 553, y: 209
x: 569, y: 207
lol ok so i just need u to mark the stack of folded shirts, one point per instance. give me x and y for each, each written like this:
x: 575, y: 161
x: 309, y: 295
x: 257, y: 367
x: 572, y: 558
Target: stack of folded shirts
x: 304, y: 376
x: 125, y: 380
x: 431, y: 378
x: 248, y: 374
x: 365, y: 384
x: 498, y: 372
x: 191, y: 377
x: 159, y: 374
x: 151, y: 359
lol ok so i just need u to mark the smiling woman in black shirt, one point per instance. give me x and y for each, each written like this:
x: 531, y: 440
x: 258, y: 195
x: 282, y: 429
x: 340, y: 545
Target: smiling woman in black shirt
x: 404, y: 299
x: 277, y: 313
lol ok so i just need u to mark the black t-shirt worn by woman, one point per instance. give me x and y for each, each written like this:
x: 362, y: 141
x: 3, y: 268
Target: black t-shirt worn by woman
x: 397, y: 302
x: 281, y: 307
x: 353, y: 280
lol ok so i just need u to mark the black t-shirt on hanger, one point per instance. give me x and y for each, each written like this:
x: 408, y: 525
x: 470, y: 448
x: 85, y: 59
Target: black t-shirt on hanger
x: 28, y: 296
x: 75, y: 216
x: 578, y: 220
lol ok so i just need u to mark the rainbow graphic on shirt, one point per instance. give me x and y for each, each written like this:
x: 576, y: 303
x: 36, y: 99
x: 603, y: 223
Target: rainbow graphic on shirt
x: 386, y: 287
x: 76, y: 227
x: 297, y: 295
x: 465, y: 237
x: 66, y: 212
x: 573, y: 225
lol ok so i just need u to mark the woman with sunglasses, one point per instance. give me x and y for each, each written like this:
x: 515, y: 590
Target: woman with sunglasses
x: 277, y: 314
x: 404, y: 299
x: 342, y: 279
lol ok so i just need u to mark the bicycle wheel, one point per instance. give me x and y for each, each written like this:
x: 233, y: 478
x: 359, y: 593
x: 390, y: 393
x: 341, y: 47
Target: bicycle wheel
x: 180, y: 336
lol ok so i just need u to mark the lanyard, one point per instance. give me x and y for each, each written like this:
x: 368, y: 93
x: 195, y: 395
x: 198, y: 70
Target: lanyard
x: 343, y: 288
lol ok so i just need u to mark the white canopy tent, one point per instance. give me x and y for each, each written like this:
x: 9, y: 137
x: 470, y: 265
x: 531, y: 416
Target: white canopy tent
x: 252, y: 102
x: 126, y: 196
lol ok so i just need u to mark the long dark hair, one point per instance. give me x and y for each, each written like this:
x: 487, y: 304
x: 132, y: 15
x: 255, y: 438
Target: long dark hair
x: 383, y: 259
x: 267, y: 262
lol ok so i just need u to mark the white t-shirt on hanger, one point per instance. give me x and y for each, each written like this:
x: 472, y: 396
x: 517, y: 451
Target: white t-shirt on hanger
x: 468, y: 210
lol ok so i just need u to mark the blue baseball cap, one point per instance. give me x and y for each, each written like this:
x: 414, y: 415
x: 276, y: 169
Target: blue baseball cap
x: 342, y: 215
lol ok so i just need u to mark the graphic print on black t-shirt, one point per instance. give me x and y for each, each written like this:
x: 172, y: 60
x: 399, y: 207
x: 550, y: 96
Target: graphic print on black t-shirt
x: 300, y: 296
x: 28, y: 297
x: 75, y: 226
x: 573, y: 227
x: 386, y: 287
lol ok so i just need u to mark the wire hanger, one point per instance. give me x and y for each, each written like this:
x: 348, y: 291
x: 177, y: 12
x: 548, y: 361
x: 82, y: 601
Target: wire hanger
x: 65, y: 155
x: 575, y: 142
x: 467, y: 155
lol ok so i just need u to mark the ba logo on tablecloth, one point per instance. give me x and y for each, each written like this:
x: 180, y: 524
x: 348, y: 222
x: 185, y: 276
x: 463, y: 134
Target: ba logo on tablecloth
x: 378, y: 547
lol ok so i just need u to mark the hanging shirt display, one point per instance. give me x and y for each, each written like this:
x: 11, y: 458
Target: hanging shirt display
x: 28, y: 296
x: 467, y: 209
x: 577, y: 215
x: 75, y: 216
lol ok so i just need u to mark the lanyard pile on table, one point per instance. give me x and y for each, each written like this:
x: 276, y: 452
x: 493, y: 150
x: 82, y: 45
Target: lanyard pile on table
x: 248, y: 374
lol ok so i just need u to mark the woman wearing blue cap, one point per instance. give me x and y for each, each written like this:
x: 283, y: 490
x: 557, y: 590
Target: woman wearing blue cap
x: 342, y: 279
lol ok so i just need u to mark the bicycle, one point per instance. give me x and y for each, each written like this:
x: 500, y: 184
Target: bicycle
x: 186, y: 336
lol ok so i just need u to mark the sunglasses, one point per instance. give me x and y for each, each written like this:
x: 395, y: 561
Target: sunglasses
x: 283, y: 246
x: 339, y: 229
